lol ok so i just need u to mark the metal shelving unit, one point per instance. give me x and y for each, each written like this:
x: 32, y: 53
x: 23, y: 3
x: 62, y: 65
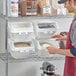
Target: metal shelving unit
x: 30, y: 58
x: 42, y: 17
x: 7, y: 58
x: 38, y: 17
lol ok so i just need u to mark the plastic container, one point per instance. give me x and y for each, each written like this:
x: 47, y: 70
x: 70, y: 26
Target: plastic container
x: 45, y: 29
x: 58, y: 9
x: 44, y: 8
x: 21, y: 49
x: 28, y: 7
x: 14, y: 8
x: 41, y: 46
x: 55, y: 5
x: 61, y: 10
x: 20, y: 30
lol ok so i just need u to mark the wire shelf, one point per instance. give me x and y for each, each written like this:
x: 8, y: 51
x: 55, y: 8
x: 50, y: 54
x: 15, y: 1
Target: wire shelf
x: 30, y: 58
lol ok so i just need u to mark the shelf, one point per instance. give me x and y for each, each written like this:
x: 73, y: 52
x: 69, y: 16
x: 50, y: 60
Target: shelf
x: 20, y: 18
x: 33, y: 58
x: 39, y: 17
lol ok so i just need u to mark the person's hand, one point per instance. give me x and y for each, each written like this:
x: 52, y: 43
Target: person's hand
x: 52, y: 50
x: 59, y: 37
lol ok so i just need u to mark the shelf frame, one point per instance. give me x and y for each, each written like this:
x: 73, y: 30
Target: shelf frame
x: 30, y: 58
x: 7, y: 58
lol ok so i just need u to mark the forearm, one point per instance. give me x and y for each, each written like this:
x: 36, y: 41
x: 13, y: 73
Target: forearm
x: 65, y: 52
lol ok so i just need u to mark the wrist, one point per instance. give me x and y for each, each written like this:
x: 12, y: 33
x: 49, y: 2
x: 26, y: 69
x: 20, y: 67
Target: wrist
x: 64, y: 52
x: 58, y: 51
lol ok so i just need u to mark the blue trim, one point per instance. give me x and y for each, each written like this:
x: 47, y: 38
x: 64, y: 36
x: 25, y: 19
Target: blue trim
x: 73, y: 51
x: 12, y: 2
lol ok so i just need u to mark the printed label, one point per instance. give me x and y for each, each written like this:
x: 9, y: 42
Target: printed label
x: 46, y: 10
x: 33, y: 13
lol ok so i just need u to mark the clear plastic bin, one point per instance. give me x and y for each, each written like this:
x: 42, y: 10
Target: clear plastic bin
x: 58, y: 9
x: 20, y: 29
x: 41, y: 46
x: 21, y: 49
x: 45, y: 29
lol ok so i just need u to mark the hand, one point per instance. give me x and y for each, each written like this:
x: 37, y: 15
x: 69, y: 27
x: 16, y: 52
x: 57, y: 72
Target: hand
x: 59, y: 37
x: 52, y: 50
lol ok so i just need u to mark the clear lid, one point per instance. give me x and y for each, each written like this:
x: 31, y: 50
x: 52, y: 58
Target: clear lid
x: 21, y: 27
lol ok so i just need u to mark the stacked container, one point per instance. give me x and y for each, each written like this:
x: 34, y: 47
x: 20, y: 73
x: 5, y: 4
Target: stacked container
x: 45, y: 29
x: 28, y: 7
x: 58, y: 9
x: 21, y: 49
x: 21, y: 30
x: 20, y: 42
x: 42, y: 44
x: 43, y: 32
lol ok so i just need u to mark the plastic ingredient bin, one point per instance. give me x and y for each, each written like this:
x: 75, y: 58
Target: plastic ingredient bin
x: 21, y: 49
x: 45, y: 29
x: 41, y: 46
x: 20, y: 29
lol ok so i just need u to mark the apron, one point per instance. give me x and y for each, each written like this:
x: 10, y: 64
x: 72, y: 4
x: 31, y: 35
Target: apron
x: 70, y: 62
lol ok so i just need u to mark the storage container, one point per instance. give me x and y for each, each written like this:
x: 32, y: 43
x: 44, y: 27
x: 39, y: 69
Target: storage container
x: 21, y: 49
x: 45, y: 29
x: 41, y: 46
x: 58, y: 9
x: 20, y: 30
x: 14, y: 8
x: 28, y: 7
x: 44, y: 8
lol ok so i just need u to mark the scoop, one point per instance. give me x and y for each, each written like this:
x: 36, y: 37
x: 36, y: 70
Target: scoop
x: 44, y: 50
x: 45, y: 45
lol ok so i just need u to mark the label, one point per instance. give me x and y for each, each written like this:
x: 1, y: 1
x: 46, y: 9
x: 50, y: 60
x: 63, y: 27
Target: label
x: 46, y: 25
x: 46, y: 10
x: 61, y: 11
x: 31, y: 13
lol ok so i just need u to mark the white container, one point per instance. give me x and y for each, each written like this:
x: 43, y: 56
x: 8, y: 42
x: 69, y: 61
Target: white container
x: 21, y: 49
x: 14, y: 8
x: 55, y: 5
x: 61, y: 10
x: 41, y: 46
x: 18, y: 30
x: 45, y: 29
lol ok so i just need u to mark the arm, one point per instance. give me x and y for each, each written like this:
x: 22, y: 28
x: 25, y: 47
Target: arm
x: 70, y: 52
x: 64, y: 52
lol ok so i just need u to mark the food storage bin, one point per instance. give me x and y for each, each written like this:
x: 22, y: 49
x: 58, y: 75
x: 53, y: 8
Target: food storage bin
x: 58, y: 9
x: 41, y: 46
x: 20, y: 30
x: 28, y: 7
x: 21, y: 49
x: 45, y: 29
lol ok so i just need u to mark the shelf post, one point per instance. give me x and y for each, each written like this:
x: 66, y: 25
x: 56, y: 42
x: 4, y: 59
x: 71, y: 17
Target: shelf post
x: 6, y: 35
